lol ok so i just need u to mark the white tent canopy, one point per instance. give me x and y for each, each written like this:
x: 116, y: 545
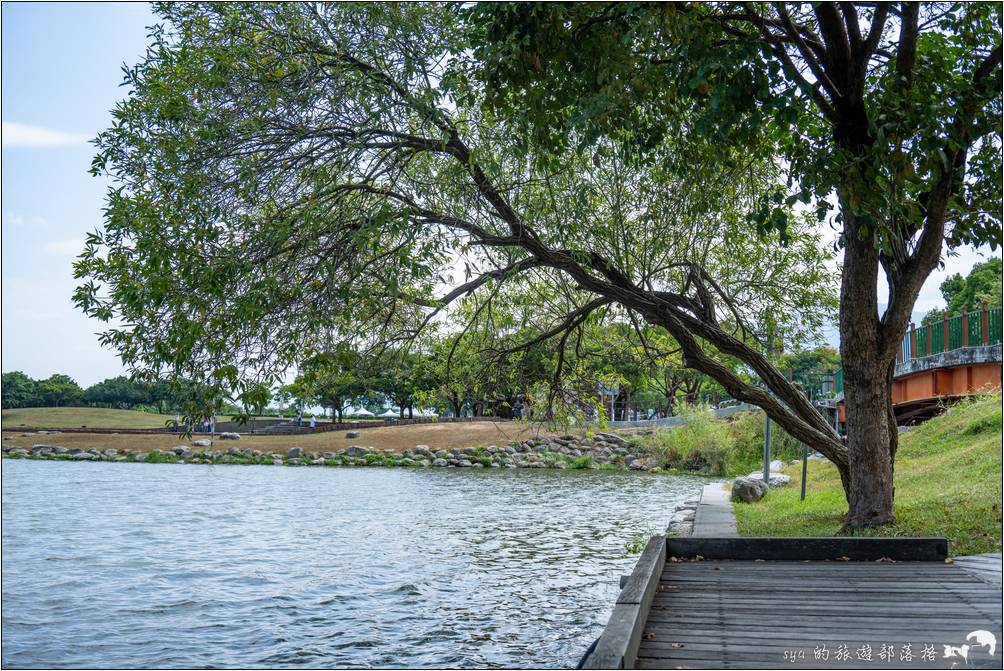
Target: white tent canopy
x: 357, y: 412
x: 390, y: 413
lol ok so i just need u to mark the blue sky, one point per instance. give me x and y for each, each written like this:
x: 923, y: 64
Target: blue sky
x: 61, y: 74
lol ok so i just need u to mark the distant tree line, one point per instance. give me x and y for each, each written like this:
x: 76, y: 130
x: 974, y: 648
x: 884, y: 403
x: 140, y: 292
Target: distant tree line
x: 21, y: 391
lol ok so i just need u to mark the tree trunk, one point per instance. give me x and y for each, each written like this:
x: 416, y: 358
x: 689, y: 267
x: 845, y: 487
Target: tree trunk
x: 871, y: 440
x: 457, y: 407
x: 871, y: 424
x: 411, y: 414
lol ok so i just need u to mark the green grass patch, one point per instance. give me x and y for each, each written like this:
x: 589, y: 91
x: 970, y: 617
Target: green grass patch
x: 70, y: 418
x: 948, y: 483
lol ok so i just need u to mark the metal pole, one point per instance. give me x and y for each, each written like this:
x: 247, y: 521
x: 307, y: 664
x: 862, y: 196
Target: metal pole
x: 805, y: 467
x: 766, y: 450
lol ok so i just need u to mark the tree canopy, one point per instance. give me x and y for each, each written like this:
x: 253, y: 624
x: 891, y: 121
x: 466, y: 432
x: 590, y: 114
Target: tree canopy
x: 291, y: 175
x: 287, y: 170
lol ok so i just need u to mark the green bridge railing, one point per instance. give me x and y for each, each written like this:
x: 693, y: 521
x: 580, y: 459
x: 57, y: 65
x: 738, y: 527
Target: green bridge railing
x: 968, y: 329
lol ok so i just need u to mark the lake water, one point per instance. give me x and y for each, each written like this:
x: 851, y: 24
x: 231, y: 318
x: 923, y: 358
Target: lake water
x: 140, y: 565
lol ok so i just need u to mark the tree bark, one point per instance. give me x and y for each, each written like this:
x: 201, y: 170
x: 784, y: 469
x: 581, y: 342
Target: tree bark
x: 871, y: 424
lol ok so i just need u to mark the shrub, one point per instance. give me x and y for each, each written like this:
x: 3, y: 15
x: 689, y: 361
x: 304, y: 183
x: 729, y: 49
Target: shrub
x: 717, y: 446
x: 702, y: 443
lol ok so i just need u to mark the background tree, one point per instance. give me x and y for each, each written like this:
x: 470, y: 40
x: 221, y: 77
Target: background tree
x: 894, y: 108
x: 983, y: 283
x: 19, y: 391
x: 399, y: 375
x: 810, y: 368
x: 332, y: 379
x: 59, y: 391
x: 118, y: 392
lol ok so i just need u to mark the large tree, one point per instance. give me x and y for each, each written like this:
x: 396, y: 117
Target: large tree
x: 289, y: 171
x: 893, y: 110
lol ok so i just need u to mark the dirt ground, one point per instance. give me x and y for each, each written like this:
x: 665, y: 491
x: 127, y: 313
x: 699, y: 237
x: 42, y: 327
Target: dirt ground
x: 396, y: 438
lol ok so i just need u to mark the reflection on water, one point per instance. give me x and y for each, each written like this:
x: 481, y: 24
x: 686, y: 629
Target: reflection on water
x: 137, y: 565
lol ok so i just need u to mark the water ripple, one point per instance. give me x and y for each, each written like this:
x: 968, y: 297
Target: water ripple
x: 139, y: 565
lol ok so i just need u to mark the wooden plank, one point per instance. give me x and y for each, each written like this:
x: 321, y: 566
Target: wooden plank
x: 816, y: 549
x: 654, y: 633
x: 643, y: 580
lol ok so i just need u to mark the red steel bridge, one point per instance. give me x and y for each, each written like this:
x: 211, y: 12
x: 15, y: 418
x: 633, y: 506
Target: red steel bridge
x: 942, y: 362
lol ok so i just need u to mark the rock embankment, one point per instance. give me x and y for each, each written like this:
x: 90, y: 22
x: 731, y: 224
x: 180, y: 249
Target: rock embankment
x: 595, y: 451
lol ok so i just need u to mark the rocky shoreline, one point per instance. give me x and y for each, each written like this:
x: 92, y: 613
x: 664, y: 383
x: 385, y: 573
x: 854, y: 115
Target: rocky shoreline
x: 603, y: 451
x: 682, y: 522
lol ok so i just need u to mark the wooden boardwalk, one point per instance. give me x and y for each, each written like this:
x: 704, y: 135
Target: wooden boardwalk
x: 803, y: 613
x: 748, y: 614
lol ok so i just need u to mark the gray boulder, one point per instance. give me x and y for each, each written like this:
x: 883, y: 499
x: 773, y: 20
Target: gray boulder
x: 179, y: 450
x: 202, y: 442
x: 356, y: 451
x: 139, y: 456
x: 777, y: 465
x: 748, y: 490
x: 775, y: 480
x: 229, y: 435
x: 294, y: 453
x: 84, y: 456
x: 352, y: 434
x: 440, y: 463
x: 611, y: 438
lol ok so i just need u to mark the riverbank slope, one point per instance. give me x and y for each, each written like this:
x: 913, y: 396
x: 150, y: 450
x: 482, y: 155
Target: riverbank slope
x: 948, y: 483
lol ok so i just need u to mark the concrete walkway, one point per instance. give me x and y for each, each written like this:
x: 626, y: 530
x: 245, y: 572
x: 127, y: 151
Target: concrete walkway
x: 714, y: 515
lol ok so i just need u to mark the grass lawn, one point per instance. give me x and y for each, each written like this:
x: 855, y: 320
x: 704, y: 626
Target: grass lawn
x: 397, y: 438
x: 65, y: 418
x: 948, y: 483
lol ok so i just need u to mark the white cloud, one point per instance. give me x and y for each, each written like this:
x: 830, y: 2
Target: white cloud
x: 13, y: 220
x: 22, y: 135
x: 65, y: 247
